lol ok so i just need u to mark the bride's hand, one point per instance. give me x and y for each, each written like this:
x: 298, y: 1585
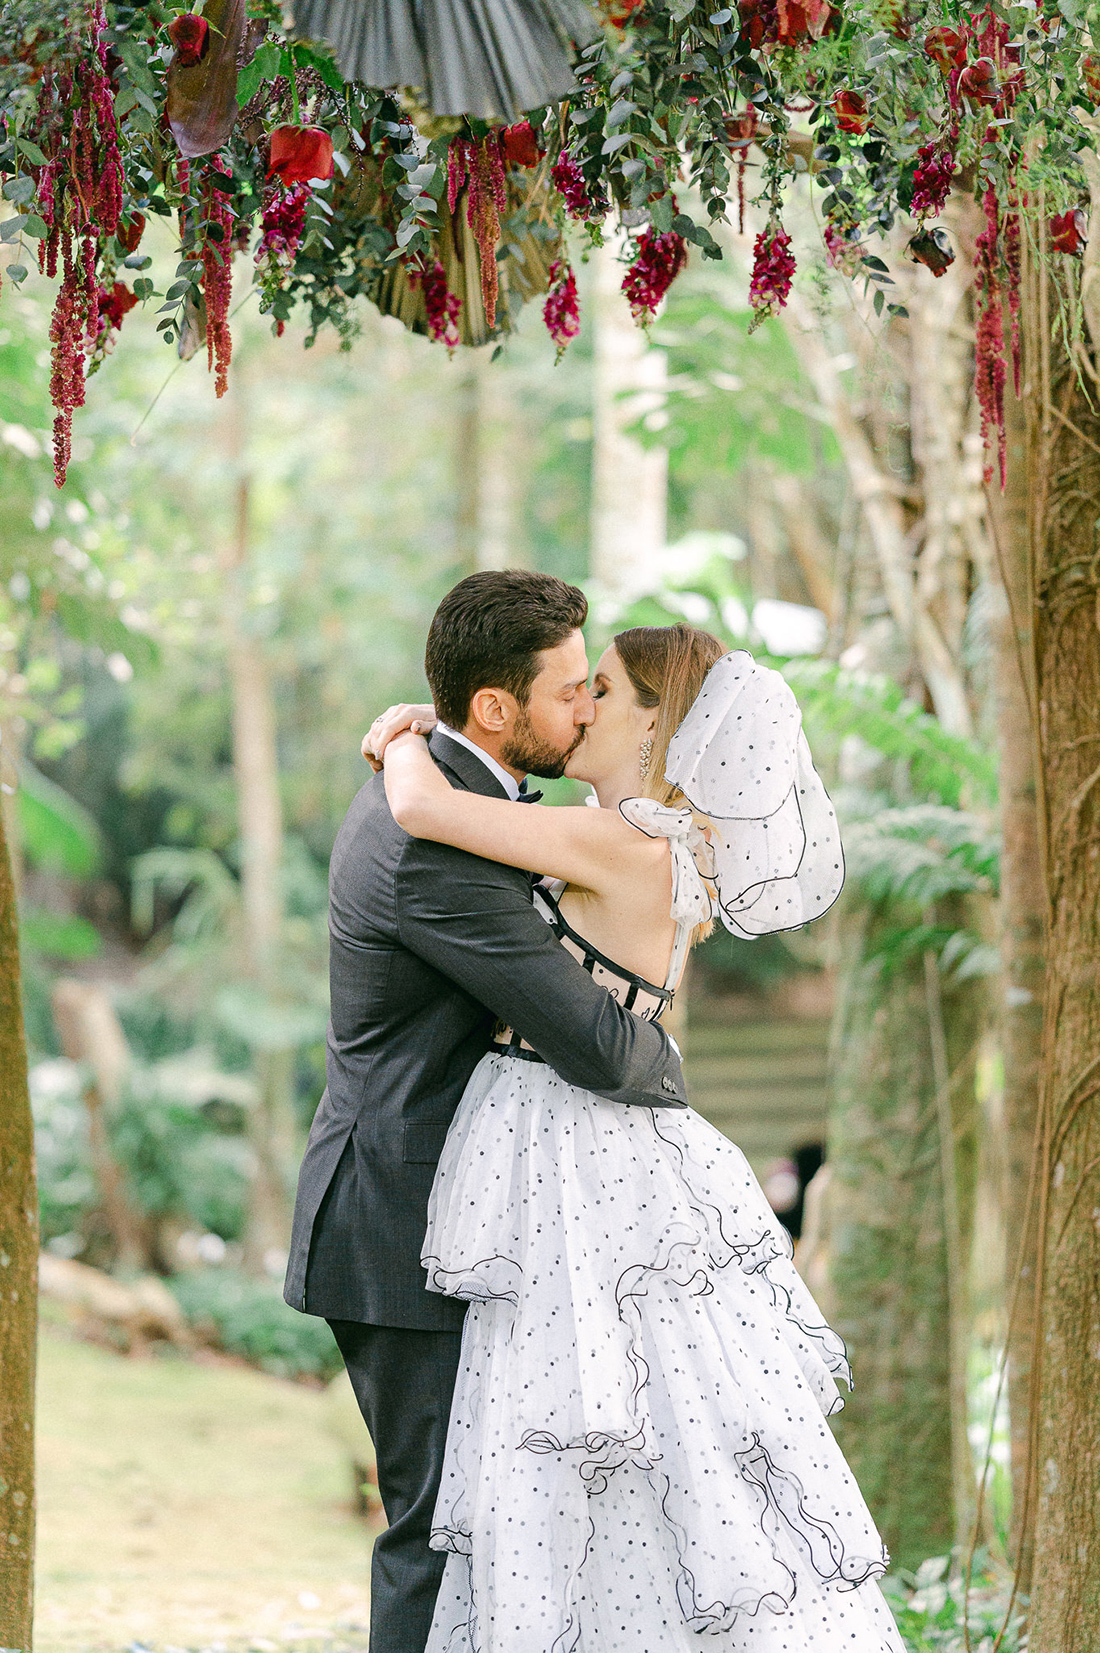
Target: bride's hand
x: 394, y: 721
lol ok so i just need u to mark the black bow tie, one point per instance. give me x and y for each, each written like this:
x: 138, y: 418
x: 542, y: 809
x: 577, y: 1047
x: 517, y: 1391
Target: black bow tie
x: 526, y: 797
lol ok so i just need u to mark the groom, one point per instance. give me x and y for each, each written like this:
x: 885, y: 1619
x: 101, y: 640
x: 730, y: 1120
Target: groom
x: 431, y: 946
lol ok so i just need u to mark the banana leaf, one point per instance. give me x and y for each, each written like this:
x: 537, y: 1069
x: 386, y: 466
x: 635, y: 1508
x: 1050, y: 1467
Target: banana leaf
x: 202, y: 97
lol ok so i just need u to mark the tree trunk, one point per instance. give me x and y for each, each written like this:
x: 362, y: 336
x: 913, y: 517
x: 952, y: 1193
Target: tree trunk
x: 272, y: 1126
x: 486, y: 468
x: 891, y: 1248
x: 90, y: 1032
x: 1065, y: 473
x: 1023, y: 909
x: 629, y: 481
x: 18, y: 1290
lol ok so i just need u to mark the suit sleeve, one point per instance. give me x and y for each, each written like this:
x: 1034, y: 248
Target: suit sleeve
x: 474, y: 922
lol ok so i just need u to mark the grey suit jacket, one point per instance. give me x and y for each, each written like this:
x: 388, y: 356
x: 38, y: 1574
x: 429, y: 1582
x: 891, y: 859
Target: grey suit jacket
x: 428, y: 947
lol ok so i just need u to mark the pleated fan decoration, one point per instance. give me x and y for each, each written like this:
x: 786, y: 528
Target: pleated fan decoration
x: 491, y: 59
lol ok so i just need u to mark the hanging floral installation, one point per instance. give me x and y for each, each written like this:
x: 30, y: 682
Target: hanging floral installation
x: 252, y: 141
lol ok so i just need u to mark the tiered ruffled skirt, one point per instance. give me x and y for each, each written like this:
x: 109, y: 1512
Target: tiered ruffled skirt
x: 638, y: 1459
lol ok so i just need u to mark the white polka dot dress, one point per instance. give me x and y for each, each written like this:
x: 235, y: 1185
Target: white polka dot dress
x: 638, y: 1459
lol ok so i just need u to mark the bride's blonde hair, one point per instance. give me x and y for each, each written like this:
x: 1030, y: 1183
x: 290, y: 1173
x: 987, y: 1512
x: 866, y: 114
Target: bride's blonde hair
x: 666, y: 666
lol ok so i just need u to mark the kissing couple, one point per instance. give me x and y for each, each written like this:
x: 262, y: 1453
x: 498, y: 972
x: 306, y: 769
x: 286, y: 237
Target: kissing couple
x: 596, y: 1386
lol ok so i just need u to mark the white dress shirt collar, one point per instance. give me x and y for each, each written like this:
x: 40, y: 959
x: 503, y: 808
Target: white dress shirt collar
x: 507, y: 781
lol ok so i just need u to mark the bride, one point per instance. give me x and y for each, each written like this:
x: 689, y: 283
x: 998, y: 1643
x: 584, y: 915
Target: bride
x: 638, y: 1457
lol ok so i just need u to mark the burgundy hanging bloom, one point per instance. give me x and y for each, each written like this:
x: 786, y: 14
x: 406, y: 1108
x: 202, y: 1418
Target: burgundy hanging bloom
x: 1090, y: 79
x: 741, y: 130
x: 581, y: 200
x: 657, y: 262
x: 932, y: 179
x: 190, y: 35
x: 299, y: 153
x: 850, y: 112
x: 443, y: 306
x: 79, y: 198
x: 521, y: 146
x: 773, y: 268
x: 989, y: 348
x: 217, y: 276
x: 932, y: 249
x: 561, y: 312
x: 480, y: 166
x: 129, y: 234
x: 1069, y: 232
x: 282, y: 223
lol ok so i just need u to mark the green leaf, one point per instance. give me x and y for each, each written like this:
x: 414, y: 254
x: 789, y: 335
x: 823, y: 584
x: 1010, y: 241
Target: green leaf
x: 31, y: 152
x: 16, y: 273
x: 19, y: 190
x: 12, y: 228
x: 58, y: 834
x: 34, y: 226
x: 268, y: 63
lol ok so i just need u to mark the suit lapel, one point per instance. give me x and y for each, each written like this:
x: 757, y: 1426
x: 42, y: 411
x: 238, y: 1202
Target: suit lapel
x: 461, y: 765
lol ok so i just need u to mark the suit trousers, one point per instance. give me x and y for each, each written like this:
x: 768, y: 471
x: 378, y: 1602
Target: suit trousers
x: 404, y: 1381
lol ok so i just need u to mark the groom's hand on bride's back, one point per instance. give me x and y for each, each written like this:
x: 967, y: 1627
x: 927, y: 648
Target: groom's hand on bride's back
x: 394, y: 721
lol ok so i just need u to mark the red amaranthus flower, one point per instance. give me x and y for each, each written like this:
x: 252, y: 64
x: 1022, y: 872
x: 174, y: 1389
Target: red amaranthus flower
x: 657, y: 262
x: 79, y: 198
x: 773, y: 267
x: 480, y: 166
x: 217, y: 274
x: 561, y: 312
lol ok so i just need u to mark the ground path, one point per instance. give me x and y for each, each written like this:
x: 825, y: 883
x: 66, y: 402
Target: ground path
x: 184, y: 1505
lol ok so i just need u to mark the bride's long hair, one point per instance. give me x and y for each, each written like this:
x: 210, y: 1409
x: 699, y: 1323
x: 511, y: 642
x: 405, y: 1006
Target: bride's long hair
x: 666, y: 666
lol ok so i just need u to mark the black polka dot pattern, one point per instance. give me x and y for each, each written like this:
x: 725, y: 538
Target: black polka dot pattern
x: 638, y: 1459
x: 740, y: 757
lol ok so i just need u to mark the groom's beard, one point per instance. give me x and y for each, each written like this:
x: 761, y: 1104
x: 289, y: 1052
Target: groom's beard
x: 533, y: 754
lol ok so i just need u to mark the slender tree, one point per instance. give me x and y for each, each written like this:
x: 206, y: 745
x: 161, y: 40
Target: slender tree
x: 18, y: 1290
x: 1065, y: 597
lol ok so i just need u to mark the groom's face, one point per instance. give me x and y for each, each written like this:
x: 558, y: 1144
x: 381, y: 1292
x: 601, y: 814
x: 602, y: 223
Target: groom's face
x: 549, y: 728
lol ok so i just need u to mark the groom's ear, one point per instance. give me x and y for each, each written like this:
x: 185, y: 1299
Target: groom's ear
x: 492, y: 711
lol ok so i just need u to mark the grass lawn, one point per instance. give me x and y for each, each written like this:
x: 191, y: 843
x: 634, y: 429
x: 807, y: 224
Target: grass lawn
x: 184, y: 1505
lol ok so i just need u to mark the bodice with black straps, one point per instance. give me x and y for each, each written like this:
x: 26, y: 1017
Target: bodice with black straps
x: 633, y: 992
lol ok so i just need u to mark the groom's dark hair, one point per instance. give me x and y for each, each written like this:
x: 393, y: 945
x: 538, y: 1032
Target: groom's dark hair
x: 489, y: 631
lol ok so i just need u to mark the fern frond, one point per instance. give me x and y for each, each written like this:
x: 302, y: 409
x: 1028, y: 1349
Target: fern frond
x: 876, y: 709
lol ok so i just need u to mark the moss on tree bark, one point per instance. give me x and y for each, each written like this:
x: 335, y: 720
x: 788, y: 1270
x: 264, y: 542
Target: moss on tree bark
x: 18, y: 1289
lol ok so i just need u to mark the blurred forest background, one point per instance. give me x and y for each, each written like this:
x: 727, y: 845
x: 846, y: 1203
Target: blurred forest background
x: 195, y: 633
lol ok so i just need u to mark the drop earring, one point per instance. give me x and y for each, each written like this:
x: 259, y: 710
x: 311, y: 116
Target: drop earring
x: 644, y: 753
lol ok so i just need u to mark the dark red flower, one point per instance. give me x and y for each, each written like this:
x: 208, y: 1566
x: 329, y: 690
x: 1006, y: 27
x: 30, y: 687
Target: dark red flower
x: 190, y: 35
x: 561, y: 312
x: 114, y: 302
x: 657, y: 263
x: 932, y: 249
x: 978, y: 82
x: 773, y: 268
x: 850, y: 112
x: 581, y: 199
x: 931, y: 180
x: 521, y: 147
x: 130, y: 233
x: 1069, y: 231
x: 300, y: 153
x: 441, y: 305
x: 619, y: 12
x: 1090, y: 79
x: 946, y: 47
